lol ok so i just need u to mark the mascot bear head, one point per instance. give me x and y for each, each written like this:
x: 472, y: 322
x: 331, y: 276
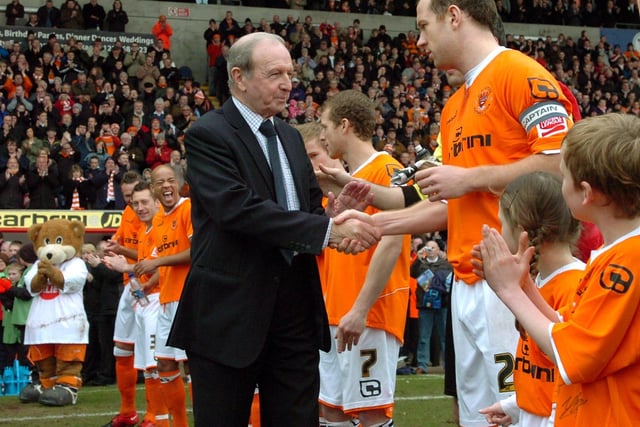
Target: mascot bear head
x: 57, y: 240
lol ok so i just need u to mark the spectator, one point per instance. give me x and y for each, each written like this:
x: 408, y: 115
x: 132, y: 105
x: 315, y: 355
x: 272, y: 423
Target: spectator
x: 15, y: 79
x: 133, y: 61
x: 100, y: 155
x: 179, y: 166
x: 159, y: 51
x: 11, y: 150
x: 248, y: 28
x: 201, y: 104
x: 147, y: 73
x: 96, y: 60
x: 158, y: 111
x: 117, y: 18
x: 431, y: 299
x: 93, y: 166
x: 43, y: 183
x: 107, y: 186
x: 48, y: 15
x: 83, y: 86
x: 590, y: 16
x: 229, y: 27
x: 32, y: 145
x: 214, y: 50
x: 628, y: 12
x: 185, y: 119
x: 71, y: 16
x: 107, y: 137
x: 13, y: 185
x: 211, y: 31
x: 222, y: 76
x: 124, y: 163
x: 19, y: 98
x: 82, y: 143
x: 93, y: 15
x: 610, y: 14
x: 110, y: 67
x: 63, y: 105
x: 70, y: 69
x: 170, y: 72
x: 14, y: 11
x: 163, y: 31
x: 76, y: 190
x: 32, y: 21
x: 101, y: 296
x: 159, y: 153
x: 137, y: 112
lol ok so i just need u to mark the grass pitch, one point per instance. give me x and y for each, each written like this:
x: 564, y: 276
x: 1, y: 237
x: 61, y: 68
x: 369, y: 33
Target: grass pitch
x: 419, y: 403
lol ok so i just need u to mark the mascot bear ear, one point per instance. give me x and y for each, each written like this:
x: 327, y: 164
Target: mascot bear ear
x: 78, y: 228
x: 34, y: 230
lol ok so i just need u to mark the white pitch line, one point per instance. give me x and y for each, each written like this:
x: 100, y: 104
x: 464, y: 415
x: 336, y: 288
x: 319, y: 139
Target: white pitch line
x: 58, y: 417
x: 412, y: 398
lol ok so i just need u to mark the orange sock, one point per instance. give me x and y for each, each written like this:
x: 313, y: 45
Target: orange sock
x: 157, y: 411
x: 126, y: 377
x: 175, y: 397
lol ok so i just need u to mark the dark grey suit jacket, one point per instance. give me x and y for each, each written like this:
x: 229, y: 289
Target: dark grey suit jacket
x: 228, y: 300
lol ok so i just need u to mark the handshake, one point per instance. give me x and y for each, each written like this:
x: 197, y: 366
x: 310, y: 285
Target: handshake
x: 352, y: 231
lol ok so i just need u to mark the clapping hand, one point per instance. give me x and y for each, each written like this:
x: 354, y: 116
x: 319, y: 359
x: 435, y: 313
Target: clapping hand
x: 501, y: 269
x: 117, y: 263
x: 355, y: 195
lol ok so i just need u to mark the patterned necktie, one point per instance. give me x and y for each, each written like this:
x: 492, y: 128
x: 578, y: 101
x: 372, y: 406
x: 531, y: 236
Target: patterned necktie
x: 268, y: 130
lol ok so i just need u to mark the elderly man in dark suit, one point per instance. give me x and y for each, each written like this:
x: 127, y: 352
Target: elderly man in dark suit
x: 252, y: 311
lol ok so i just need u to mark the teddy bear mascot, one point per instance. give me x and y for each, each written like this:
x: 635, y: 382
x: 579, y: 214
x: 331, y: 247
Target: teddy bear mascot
x: 57, y: 330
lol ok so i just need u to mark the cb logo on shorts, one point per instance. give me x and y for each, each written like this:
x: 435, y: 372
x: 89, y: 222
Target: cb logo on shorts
x: 370, y: 388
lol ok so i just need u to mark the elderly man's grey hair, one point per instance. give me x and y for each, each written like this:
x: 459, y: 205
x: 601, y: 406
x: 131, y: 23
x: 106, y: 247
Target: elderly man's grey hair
x: 241, y: 53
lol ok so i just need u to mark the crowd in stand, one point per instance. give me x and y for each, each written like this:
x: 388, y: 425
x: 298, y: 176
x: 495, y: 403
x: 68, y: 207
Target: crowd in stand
x: 75, y: 118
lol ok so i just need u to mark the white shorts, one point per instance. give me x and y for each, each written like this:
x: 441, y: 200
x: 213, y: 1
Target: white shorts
x: 124, y: 330
x: 165, y: 320
x: 362, y: 378
x: 485, y: 341
x: 146, y: 324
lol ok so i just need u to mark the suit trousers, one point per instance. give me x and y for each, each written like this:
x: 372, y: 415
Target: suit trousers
x: 286, y: 371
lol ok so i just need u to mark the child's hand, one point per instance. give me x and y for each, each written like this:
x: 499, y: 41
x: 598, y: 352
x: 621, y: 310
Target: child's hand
x: 495, y: 415
x: 501, y: 269
x: 93, y: 260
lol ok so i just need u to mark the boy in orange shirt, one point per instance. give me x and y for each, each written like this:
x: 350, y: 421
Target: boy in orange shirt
x: 601, y: 184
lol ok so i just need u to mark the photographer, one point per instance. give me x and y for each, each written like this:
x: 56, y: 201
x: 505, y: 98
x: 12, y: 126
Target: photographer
x: 433, y: 273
